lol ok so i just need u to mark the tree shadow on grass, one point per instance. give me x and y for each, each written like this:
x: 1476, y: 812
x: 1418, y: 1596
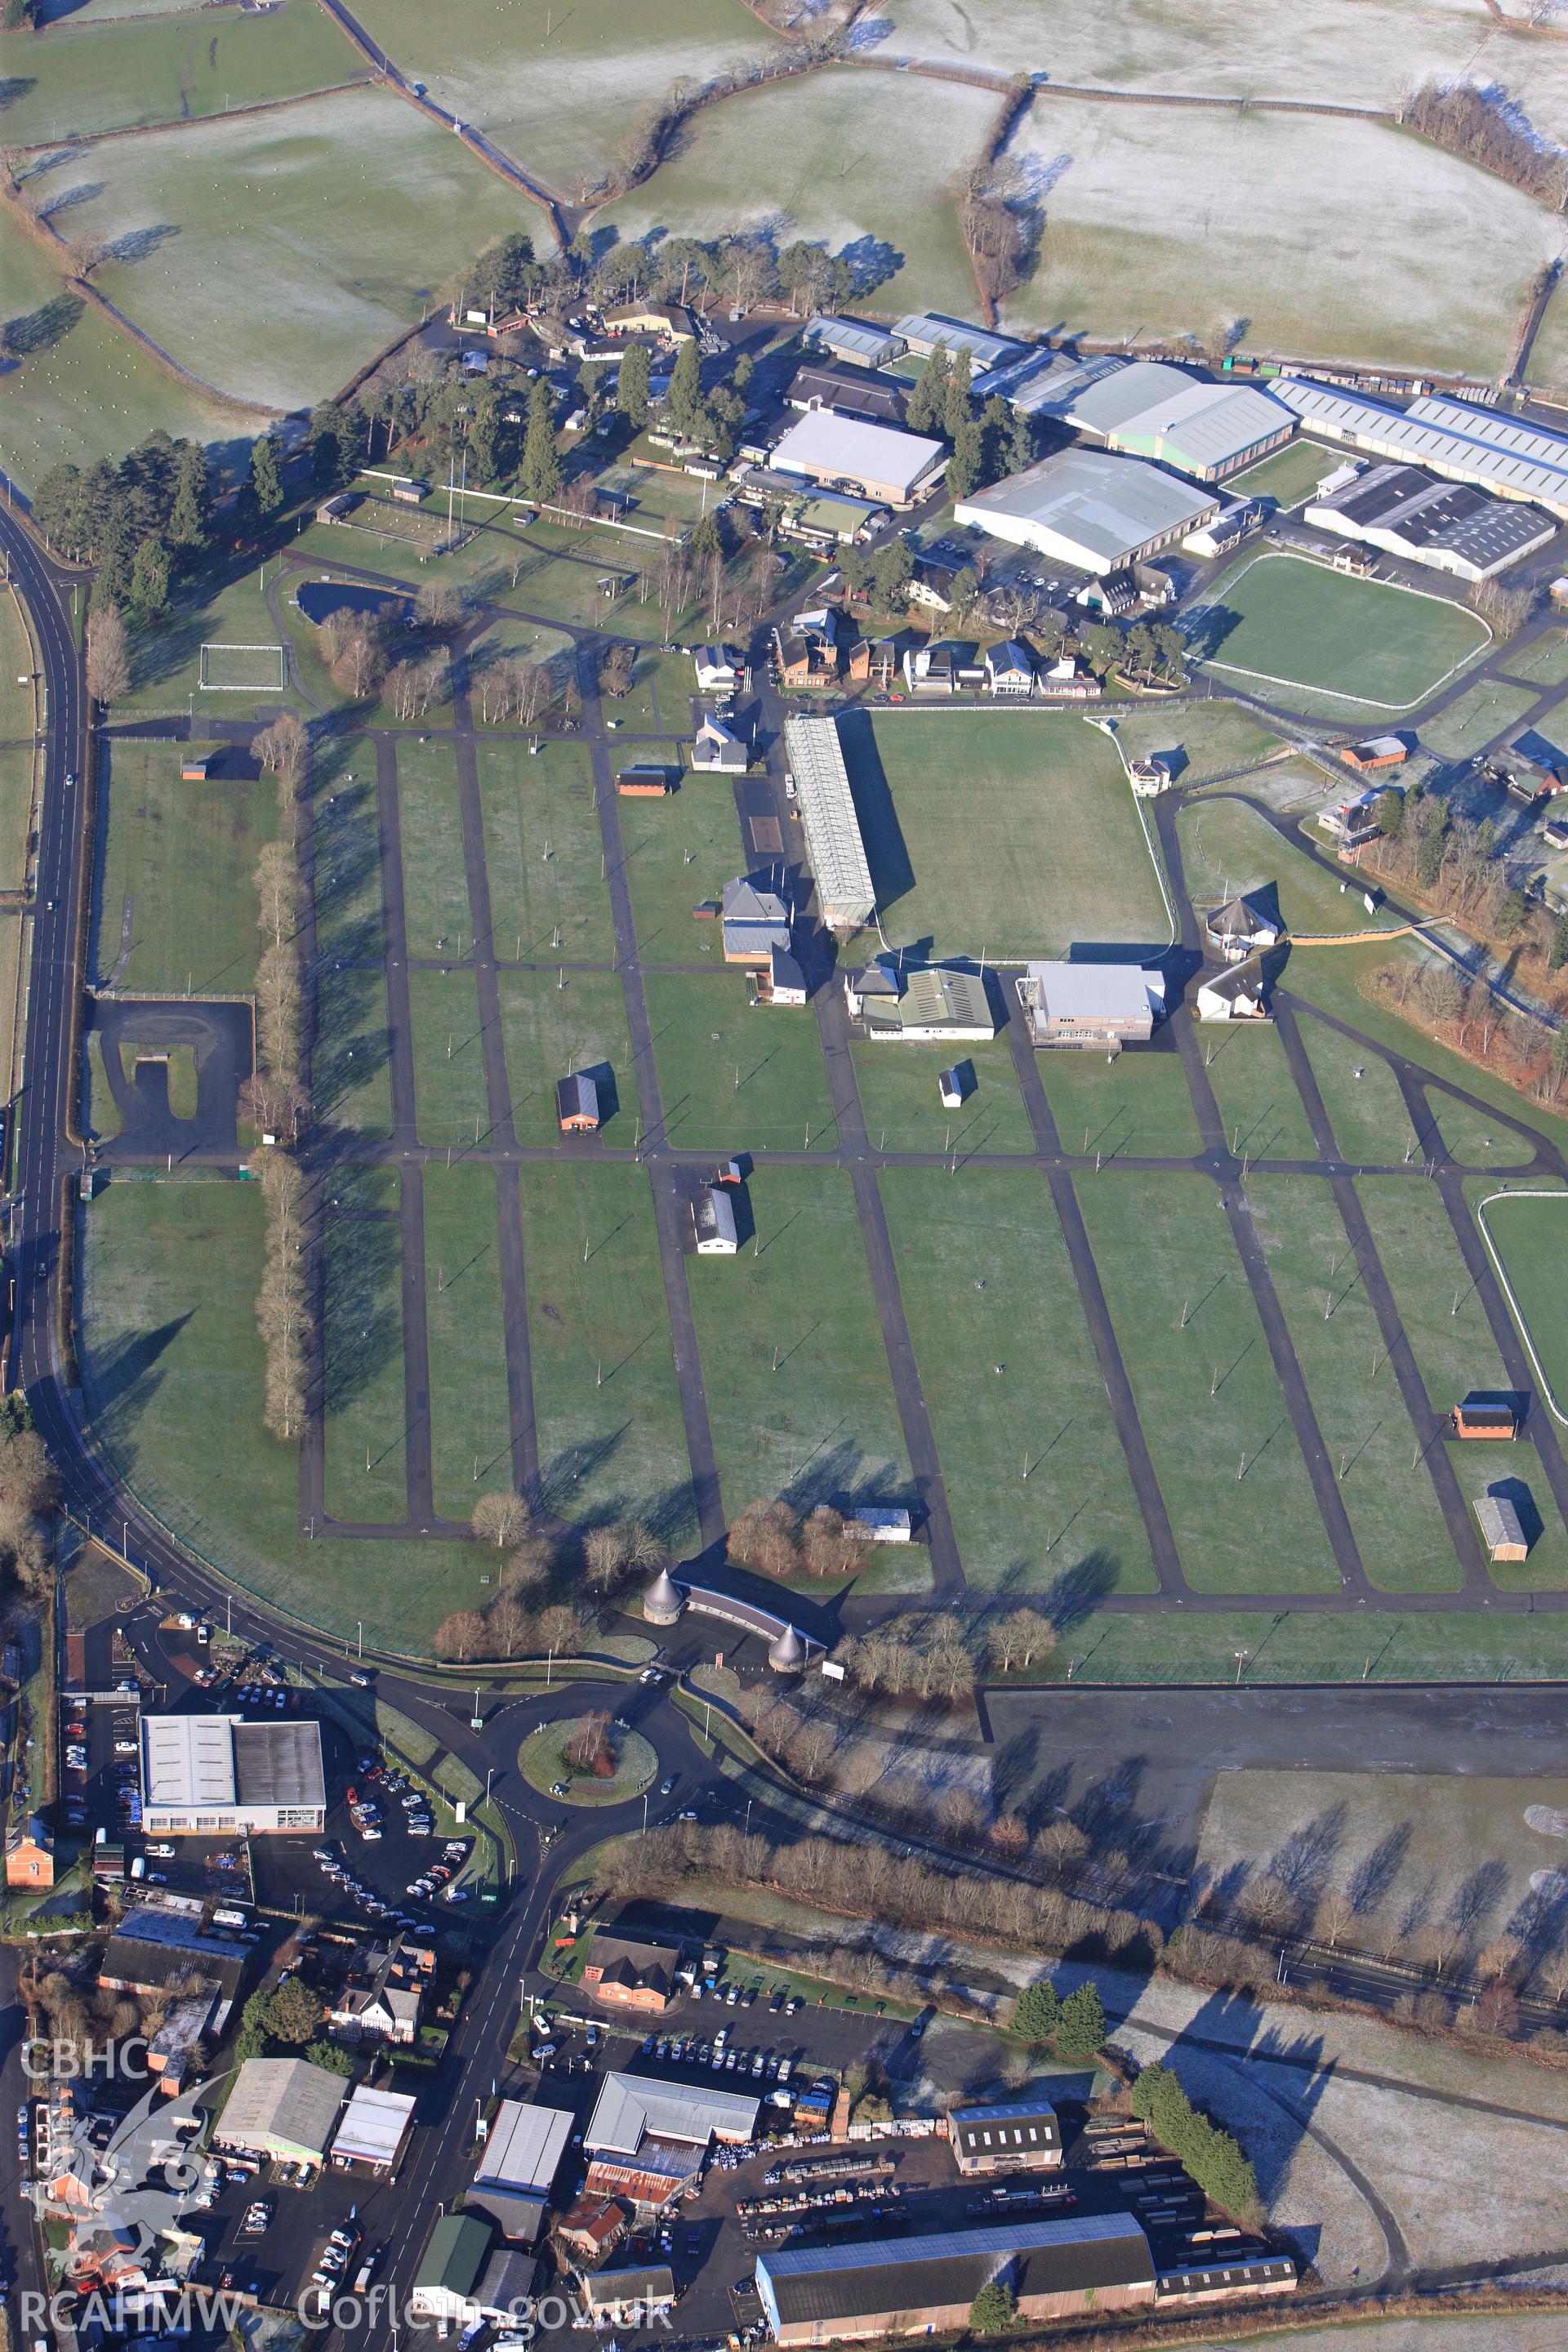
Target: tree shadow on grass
x: 41, y: 329
x: 362, y: 1320
x: 112, y: 1373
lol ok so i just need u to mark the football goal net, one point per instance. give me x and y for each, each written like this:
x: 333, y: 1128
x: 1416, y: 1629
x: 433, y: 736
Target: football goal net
x: 238, y: 669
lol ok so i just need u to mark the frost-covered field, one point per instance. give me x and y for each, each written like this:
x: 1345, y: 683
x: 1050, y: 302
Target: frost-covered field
x: 559, y: 86
x: 1329, y: 237
x: 278, y: 253
x: 1346, y: 52
x: 841, y: 155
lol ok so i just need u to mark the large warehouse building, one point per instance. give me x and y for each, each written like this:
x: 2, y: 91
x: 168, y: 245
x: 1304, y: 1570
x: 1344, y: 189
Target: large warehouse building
x: 1463, y: 443
x: 833, y: 842
x: 907, y: 2286
x: 1097, y: 513
x: 1451, y: 526
x: 1147, y: 409
x: 892, y: 467
x: 217, y: 1774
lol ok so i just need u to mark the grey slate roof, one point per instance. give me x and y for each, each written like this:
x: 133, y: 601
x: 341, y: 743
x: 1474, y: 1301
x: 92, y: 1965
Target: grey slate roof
x: 914, y: 2273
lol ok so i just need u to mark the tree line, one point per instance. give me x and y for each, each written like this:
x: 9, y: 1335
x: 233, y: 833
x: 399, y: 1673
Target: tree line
x: 1487, y: 128
x: 273, y: 1099
x: 1208, y: 2155
x: 551, y: 1587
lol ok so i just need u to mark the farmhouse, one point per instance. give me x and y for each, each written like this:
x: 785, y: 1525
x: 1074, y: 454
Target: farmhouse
x: 1503, y: 1529
x: 281, y: 2107
x: 383, y: 1992
x: 1025, y: 2138
x: 1099, y: 513
x: 1149, y: 409
x: 209, y: 1775
x: 850, y: 392
x: 1243, y: 924
x: 858, y: 341
x: 926, y: 2284
x: 832, y: 828
x: 1451, y: 526
x: 1499, y: 453
x: 922, y: 330
x: 577, y: 1103
x: 1089, y: 1005
x: 890, y: 467
x: 720, y: 751
x: 932, y: 1005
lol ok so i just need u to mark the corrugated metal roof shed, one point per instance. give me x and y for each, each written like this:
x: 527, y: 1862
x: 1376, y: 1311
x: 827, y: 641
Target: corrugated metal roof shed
x: 631, y: 2105
x: 525, y: 2146
x: 833, y: 840
x: 1468, y: 445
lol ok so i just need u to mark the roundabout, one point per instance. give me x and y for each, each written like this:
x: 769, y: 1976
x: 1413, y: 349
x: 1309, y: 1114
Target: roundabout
x: 587, y: 1760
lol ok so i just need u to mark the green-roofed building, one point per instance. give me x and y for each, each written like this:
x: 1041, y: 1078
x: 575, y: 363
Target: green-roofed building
x: 450, y: 2267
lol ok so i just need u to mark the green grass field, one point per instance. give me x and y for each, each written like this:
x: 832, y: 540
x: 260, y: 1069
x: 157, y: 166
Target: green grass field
x: 1484, y: 710
x: 660, y: 700
x: 82, y: 79
x: 438, y: 917
x: 451, y: 1103
x: 612, y: 1444
x: 1546, y: 661
x: 17, y: 754
x: 1360, y: 1094
x: 1210, y: 738
x: 1207, y: 1394
x: 1137, y: 1104
x: 172, y: 1369
x: 903, y: 1111
x: 824, y: 1423
x: 183, y: 856
x: 678, y: 851
x: 1388, y: 1494
x: 1526, y: 1230
x: 985, y: 1281
x: 470, y: 1425
x: 535, y: 804
x: 1289, y: 477
x: 1004, y: 832
x: 1228, y: 847
x: 1258, y: 1101
x: 730, y: 1074
x: 165, y: 661
x: 551, y: 1031
x: 348, y: 209
x: 1313, y: 1646
x: 1289, y: 623
x: 361, y: 1384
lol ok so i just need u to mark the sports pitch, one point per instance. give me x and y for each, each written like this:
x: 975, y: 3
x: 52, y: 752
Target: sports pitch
x: 1285, y: 621
x: 1526, y: 1233
x: 1003, y: 833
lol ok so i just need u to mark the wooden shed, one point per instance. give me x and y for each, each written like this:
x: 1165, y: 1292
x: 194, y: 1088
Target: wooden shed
x: 1503, y: 1529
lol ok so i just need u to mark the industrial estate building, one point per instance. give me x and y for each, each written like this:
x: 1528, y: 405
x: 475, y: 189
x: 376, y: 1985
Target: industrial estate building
x: 1097, y: 512
x: 281, y: 2107
x: 374, y: 2129
x: 214, y: 1775
x: 646, y: 2140
x: 1449, y: 437
x: 1014, y: 2138
x: 1149, y: 409
x: 929, y: 1004
x: 521, y: 2156
x: 922, y: 330
x: 833, y: 840
x: 1452, y: 526
x: 890, y: 466
x: 925, y: 2285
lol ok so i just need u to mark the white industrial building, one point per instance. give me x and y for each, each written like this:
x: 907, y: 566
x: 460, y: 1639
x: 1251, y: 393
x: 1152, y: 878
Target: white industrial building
x: 374, y: 2127
x: 217, y: 1774
x: 1146, y: 409
x: 826, y: 804
x: 890, y: 466
x: 1450, y: 438
x: 1451, y: 526
x: 1096, y: 512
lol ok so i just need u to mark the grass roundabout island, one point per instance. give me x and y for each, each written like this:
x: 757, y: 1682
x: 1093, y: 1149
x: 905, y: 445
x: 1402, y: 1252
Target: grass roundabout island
x: 592, y: 1759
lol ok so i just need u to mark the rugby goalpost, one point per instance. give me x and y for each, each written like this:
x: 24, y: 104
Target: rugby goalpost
x: 264, y: 668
